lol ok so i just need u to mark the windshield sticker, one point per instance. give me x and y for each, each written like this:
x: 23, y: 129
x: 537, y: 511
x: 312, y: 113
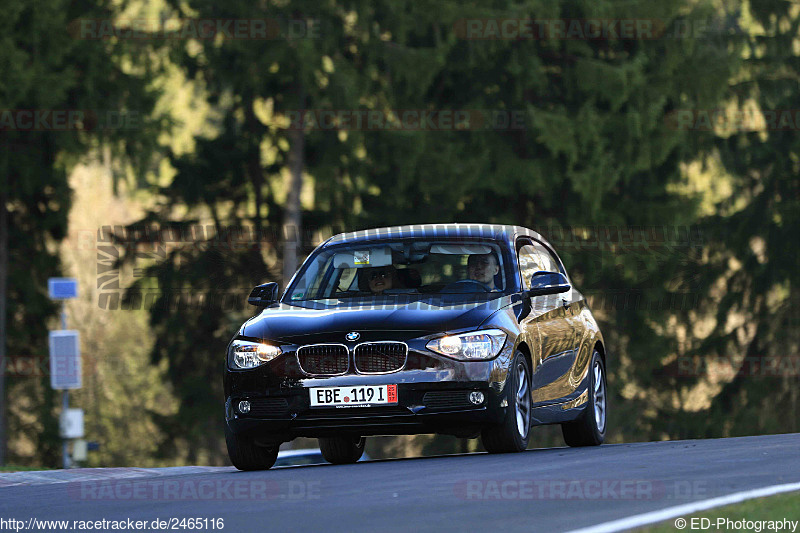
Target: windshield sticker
x: 361, y: 258
x: 297, y: 296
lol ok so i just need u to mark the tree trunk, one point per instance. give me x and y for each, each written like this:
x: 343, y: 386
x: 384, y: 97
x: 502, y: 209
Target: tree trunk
x: 3, y: 293
x: 254, y: 169
x: 292, y: 218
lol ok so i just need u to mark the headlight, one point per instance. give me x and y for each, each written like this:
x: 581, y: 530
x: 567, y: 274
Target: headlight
x: 472, y: 346
x: 246, y: 354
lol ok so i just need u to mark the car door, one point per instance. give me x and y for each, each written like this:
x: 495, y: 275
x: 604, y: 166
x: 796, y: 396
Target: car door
x: 553, y: 318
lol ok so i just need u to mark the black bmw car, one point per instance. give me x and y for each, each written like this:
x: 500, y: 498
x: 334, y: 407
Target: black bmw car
x: 460, y: 329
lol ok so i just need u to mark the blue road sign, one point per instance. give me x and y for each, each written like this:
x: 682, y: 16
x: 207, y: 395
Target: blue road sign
x: 62, y: 288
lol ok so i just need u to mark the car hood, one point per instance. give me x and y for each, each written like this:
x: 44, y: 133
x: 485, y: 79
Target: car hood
x: 296, y: 324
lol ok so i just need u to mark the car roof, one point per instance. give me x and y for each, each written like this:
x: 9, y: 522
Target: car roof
x: 499, y: 232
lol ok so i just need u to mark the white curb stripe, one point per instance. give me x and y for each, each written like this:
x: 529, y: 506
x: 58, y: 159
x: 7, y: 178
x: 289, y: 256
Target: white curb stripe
x: 47, y: 477
x: 689, y: 508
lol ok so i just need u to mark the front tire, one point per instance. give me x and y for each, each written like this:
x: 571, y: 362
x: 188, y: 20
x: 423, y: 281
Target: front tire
x: 245, y: 454
x: 342, y: 450
x: 515, y: 431
x: 590, y: 428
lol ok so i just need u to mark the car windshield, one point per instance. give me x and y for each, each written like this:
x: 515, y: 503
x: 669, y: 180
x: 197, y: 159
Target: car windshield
x: 401, y: 269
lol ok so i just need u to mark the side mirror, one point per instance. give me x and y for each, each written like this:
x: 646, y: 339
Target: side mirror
x: 264, y: 295
x: 548, y: 283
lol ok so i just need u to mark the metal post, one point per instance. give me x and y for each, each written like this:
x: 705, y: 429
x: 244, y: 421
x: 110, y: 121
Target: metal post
x: 64, y: 407
x: 64, y: 395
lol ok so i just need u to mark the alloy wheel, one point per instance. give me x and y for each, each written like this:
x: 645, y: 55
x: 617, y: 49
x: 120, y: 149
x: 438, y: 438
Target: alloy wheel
x: 599, y: 397
x: 523, y: 401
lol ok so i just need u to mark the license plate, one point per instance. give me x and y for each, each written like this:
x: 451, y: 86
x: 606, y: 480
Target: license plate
x: 361, y: 396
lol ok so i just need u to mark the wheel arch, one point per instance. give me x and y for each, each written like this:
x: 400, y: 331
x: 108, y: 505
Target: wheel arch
x: 598, y: 345
x: 526, y: 351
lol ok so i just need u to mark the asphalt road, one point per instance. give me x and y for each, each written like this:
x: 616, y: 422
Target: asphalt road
x: 555, y: 489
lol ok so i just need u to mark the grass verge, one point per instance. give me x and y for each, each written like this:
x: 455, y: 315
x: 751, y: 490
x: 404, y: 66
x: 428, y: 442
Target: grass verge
x: 774, y: 508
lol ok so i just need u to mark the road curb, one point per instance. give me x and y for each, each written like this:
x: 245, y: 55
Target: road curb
x: 49, y: 477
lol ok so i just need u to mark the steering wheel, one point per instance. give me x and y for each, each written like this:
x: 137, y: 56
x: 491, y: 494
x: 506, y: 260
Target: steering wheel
x: 466, y: 285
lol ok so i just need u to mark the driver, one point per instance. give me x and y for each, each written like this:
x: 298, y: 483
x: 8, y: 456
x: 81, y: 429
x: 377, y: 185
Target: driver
x: 483, y: 268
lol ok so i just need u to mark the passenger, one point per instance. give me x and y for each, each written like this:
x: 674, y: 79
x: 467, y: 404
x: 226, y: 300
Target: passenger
x: 483, y: 268
x: 380, y: 279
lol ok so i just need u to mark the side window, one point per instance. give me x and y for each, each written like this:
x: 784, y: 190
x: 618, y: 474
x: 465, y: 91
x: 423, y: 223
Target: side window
x: 534, y: 257
x: 529, y: 262
x: 547, y: 260
x: 346, y: 280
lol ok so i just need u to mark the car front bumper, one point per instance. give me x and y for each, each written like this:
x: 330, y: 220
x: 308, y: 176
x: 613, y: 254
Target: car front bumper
x: 433, y: 397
